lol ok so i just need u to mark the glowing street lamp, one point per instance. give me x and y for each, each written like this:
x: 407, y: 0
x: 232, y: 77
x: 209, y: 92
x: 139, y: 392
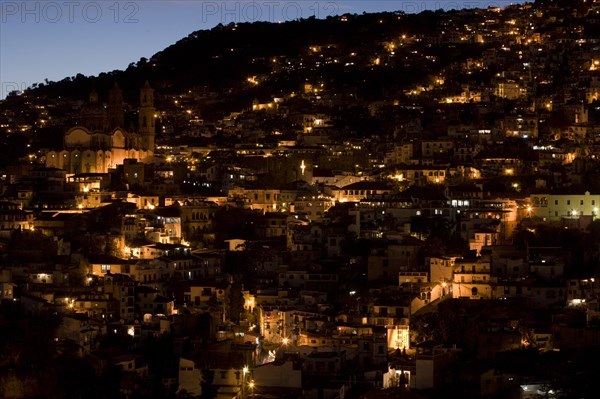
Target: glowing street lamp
x: 244, y: 389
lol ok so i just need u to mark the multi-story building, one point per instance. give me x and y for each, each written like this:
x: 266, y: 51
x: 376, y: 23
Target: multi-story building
x: 522, y: 126
x: 436, y: 148
x: 441, y: 269
x: 101, y: 265
x: 490, y: 216
x: 423, y: 174
x: 312, y: 208
x: 431, y: 361
x: 149, y: 301
x: 400, y: 154
x: 471, y: 279
x: 360, y: 190
x: 121, y: 287
x: 557, y: 207
x: 13, y: 217
x: 272, y: 225
x: 387, y: 261
x: 98, y: 306
x: 266, y: 200
x: 197, y: 215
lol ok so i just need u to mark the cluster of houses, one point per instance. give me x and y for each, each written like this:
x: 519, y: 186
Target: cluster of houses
x: 314, y: 264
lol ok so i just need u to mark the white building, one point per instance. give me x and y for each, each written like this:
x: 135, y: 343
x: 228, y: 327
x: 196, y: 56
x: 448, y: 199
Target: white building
x: 471, y: 279
x: 556, y: 207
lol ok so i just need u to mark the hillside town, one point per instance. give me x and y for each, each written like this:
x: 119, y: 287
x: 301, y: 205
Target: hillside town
x: 321, y: 241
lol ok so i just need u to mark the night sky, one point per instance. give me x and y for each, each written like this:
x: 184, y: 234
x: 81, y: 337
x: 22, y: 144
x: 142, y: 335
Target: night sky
x: 55, y: 39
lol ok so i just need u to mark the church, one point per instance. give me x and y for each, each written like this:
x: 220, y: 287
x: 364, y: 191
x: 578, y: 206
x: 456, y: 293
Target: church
x: 99, y: 142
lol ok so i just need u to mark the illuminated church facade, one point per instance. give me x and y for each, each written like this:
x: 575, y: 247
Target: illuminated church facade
x: 99, y: 142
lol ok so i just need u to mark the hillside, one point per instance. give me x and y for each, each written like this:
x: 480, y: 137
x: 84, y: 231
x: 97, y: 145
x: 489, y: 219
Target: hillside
x: 223, y: 57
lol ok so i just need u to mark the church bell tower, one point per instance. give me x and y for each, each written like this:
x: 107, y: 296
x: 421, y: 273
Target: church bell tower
x: 116, y: 114
x: 146, y: 118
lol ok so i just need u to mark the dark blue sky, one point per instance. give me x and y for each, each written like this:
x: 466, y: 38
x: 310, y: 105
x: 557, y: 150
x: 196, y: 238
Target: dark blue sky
x: 54, y: 39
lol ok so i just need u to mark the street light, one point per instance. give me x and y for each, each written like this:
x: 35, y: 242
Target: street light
x: 251, y: 386
x: 244, y: 372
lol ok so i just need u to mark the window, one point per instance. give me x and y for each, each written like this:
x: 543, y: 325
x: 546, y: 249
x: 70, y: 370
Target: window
x: 568, y: 202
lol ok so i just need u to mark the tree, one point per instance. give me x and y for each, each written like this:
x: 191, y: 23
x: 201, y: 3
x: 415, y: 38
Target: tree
x: 209, y: 391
